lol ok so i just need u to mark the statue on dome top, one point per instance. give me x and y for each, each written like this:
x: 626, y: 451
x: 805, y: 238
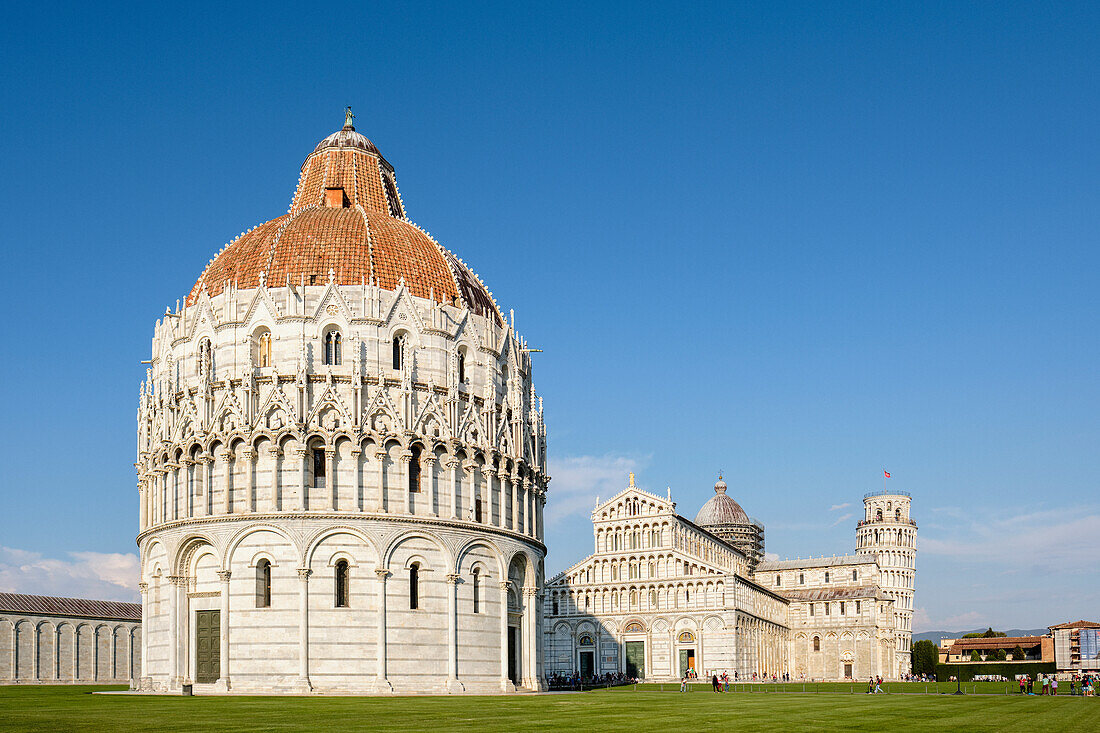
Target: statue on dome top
x: 349, y: 118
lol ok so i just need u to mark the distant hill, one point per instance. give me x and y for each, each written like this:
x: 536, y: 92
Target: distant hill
x: 935, y: 636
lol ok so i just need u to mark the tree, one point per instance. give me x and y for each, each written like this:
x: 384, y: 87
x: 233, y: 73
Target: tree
x: 975, y: 656
x: 1002, y: 655
x: 1018, y: 654
x: 925, y: 656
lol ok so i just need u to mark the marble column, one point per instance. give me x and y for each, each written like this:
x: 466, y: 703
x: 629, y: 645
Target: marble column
x: 453, y: 464
x: 427, y: 472
x: 226, y: 458
x: 529, y: 676
x: 381, y: 683
x: 381, y: 456
x: 453, y: 684
x: 223, y: 663
x: 302, y: 683
x: 502, y: 482
x: 274, y: 453
x: 143, y: 588
x: 174, y: 583
x: 406, y: 463
x: 330, y: 481
x: 303, y: 497
x: 469, y: 469
x: 208, y: 484
x: 356, y: 454
x: 250, y: 499
x: 505, y: 683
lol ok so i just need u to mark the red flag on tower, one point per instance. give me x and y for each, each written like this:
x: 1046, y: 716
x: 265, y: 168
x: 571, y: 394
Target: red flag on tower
x: 886, y: 474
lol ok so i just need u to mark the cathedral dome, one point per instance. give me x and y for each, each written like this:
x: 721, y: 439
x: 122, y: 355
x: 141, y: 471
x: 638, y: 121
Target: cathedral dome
x: 721, y: 509
x: 346, y: 222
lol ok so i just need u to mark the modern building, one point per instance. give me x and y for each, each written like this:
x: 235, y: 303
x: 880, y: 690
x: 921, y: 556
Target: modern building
x: 50, y: 640
x: 661, y: 595
x: 1077, y: 646
x: 341, y: 459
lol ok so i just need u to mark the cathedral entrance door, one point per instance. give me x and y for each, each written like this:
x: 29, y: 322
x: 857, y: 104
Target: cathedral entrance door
x: 687, y: 661
x: 207, y: 646
x: 848, y: 671
x: 588, y: 663
x: 635, y: 659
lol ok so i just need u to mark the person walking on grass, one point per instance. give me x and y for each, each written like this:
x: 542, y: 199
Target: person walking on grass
x: 684, y: 684
x: 1022, y: 685
x: 1053, y: 685
x: 714, y: 683
x: 878, y: 685
x: 870, y: 685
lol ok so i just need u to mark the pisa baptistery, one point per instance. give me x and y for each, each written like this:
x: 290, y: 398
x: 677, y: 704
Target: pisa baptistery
x: 341, y: 459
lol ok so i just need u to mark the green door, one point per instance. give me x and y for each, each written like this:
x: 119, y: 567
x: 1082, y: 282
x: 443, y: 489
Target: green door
x: 687, y: 661
x: 207, y: 646
x: 635, y: 659
x: 588, y: 664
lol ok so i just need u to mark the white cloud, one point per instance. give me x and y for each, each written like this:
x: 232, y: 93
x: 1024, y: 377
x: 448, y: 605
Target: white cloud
x: 107, y: 576
x: 838, y: 507
x: 842, y: 518
x: 1067, y: 539
x: 578, y: 480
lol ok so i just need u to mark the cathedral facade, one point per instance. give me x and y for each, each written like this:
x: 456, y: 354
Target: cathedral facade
x: 662, y: 595
x: 341, y: 459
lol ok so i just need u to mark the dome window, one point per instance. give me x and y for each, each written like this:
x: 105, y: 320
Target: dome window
x: 263, y: 584
x: 333, y: 342
x: 414, y: 586
x: 263, y: 348
x: 341, y: 585
x: 335, y: 198
x: 477, y: 590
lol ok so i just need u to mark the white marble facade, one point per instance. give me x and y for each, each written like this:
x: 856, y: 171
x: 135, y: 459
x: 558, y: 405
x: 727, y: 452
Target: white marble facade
x: 661, y: 594
x: 341, y: 482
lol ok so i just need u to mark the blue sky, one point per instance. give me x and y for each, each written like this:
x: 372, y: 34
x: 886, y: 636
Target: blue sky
x: 799, y: 244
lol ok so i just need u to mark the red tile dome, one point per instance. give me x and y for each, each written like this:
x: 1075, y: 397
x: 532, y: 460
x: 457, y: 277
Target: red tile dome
x: 348, y: 218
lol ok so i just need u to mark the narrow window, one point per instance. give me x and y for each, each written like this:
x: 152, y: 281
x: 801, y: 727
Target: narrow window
x: 461, y: 366
x: 842, y: 608
x: 897, y: 515
x: 811, y: 610
x: 342, y: 595
x: 801, y: 578
x: 332, y: 348
x: 857, y: 608
x: 477, y: 590
x: 263, y: 350
x: 398, y: 351
x: 414, y: 470
x: 319, y: 468
x: 554, y: 603
x: 855, y: 574
x: 827, y: 604
x: 477, y: 510
x: 263, y: 584
x: 414, y: 586
x: 817, y: 643
x: 778, y: 580
x: 826, y: 576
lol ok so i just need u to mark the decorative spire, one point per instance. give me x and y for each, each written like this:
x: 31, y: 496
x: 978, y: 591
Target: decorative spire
x: 632, y: 479
x: 348, y: 119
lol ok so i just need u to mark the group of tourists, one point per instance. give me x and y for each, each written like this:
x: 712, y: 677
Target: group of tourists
x: 874, y: 685
x: 1048, y: 685
x: 572, y: 681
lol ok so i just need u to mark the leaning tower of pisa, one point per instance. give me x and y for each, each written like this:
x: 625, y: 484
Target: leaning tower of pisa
x: 889, y: 535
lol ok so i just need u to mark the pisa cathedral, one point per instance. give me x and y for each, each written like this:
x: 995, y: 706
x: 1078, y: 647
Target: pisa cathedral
x: 661, y: 595
x: 341, y: 459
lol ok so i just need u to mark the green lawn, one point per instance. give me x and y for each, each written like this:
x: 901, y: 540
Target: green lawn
x: 64, y: 709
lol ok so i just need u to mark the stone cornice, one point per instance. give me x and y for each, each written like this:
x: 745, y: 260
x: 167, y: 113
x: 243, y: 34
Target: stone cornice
x: 343, y: 518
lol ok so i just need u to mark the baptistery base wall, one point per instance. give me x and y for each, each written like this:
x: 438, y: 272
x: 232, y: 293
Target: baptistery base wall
x: 341, y: 604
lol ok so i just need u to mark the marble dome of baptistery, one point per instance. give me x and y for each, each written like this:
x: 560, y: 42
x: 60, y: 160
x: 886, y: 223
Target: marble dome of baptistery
x: 339, y: 410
